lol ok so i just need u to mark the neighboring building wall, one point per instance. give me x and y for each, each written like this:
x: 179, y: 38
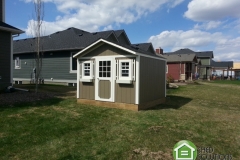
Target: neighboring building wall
x: 56, y: 66
x: 174, y: 70
x: 1, y: 10
x: 152, y: 79
x: 5, y: 59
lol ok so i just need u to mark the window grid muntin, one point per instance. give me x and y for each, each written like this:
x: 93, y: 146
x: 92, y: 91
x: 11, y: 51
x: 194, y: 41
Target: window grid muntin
x: 104, y: 68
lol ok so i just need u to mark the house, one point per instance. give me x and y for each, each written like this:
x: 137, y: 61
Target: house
x: 223, y: 69
x: 236, y: 69
x: 58, y: 48
x: 118, y: 75
x: 202, y: 66
x: 181, y: 67
x: 7, y: 32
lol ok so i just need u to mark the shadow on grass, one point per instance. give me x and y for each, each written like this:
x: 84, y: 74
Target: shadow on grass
x: 172, y: 102
x: 38, y: 103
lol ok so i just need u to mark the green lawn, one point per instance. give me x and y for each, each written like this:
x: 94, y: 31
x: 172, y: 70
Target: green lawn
x: 208, y: 114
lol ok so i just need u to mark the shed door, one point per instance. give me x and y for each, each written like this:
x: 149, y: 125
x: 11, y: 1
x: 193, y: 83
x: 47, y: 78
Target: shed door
x: 104, y: 88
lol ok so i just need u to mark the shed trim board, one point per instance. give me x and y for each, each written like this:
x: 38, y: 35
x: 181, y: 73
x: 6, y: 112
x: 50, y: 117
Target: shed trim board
x: 115, y: 45
x: 137, y: 79
x: 11, y: 67
x: 48, y: 80
x: 98, y: 78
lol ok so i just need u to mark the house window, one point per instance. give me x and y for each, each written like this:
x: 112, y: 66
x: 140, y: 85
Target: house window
x: 17, y: 63
x: 125, y: 70
x: 73, y: 63
x: 86, y: 71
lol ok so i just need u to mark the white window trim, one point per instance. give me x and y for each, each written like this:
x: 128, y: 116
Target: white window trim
x: 84, y: 78
x: 71, y: 56
x: 119, y: 77
x: 17, y: 66
x: 166, y: 68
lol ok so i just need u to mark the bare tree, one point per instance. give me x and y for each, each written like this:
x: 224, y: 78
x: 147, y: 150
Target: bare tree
x: 37, y: 33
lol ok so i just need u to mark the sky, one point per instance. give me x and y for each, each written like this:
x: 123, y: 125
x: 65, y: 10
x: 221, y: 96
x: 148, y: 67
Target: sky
x: 200, y: 25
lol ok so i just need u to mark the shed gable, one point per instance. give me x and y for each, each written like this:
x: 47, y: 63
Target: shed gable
x: 106, y: 50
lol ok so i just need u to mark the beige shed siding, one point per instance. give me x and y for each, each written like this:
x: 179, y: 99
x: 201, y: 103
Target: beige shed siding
x: 125, y: 93
x: 106, y: 50
x: 104, y: 90
x: 152, y: 79
x: 87, y: 90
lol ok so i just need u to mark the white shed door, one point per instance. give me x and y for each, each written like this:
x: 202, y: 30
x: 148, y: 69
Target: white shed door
x: 104, y: 81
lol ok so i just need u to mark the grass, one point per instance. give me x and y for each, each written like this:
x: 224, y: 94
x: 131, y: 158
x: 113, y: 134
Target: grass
x: 236, y: 82
x: 208, y: 114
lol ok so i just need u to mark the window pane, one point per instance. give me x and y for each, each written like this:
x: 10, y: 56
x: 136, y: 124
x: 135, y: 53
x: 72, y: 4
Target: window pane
x: 108, y: 74
x: 104, y: 74
x: 109, y: 63
x: 74, y: 63
x: 100, y: 74
x: 108, y: 68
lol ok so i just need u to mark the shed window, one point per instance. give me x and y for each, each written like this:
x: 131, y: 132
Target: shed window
x: 125, y: 71
x: 86, y: 71
x: 17, y: 63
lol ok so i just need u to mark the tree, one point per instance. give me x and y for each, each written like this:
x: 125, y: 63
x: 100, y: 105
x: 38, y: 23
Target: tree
x: 37, y: 33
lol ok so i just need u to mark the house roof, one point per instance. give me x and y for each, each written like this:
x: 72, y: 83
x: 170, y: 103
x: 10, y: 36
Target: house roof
x: 190, y: 57
x: 69, y: 39
x: 128, y: 48
x: 198, y: 54
x: 145, y: 46
x: 224, y: 64
x: 7, y: 27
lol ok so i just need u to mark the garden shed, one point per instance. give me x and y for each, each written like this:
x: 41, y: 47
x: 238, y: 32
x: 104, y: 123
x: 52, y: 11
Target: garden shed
x: 123, y: 76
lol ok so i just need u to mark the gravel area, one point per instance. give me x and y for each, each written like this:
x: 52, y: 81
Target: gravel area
x: 19, y: 96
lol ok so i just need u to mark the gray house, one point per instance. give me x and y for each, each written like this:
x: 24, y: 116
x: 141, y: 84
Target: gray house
x: 118, y: 75
x: 204, y: 68
x: 7, y: 32
x: 58, y: 50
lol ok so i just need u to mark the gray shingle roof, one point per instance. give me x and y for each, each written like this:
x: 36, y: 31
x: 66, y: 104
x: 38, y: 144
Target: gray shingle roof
x: 145, y: 46
x: 76, y: 39
x: 223, y: 64
x: 198, y: 54
x: 191, y: 57
x: 69, y: 39
x: 5, y: 26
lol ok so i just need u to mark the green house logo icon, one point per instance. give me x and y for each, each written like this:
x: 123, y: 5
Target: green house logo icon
x: 185, y: 150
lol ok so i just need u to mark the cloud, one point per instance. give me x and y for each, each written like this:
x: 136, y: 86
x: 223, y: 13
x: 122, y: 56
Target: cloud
x: 208, y: 25
x: 212, y: 10
x: 184, y: 39
x: 93, y: 15
x: 223, y: 46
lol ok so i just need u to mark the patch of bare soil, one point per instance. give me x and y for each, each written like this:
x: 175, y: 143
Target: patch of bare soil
x: 19, y: 97
x: 146, y: 154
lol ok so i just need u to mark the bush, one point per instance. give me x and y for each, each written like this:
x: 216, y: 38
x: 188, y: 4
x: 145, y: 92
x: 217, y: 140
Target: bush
x: 170, y: 79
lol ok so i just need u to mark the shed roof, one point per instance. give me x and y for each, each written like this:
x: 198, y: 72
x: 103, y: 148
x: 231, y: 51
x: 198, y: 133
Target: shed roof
x: 129, y: 48
x: 7, y: 27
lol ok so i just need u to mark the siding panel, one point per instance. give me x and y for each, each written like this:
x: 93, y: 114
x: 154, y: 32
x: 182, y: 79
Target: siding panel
x: 56, y: 66
x: 87, y: 90
x: 125, y: 93
x: 152, y: 79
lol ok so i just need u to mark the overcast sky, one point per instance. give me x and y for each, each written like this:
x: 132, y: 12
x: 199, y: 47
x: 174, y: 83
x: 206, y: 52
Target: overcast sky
x: 200, y: 25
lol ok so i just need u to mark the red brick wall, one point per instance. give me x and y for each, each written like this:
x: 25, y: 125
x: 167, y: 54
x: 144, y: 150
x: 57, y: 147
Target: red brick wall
x: 174, y: 70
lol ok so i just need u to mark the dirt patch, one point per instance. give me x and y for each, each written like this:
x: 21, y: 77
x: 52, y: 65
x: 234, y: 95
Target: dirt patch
x: 19, y: 97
